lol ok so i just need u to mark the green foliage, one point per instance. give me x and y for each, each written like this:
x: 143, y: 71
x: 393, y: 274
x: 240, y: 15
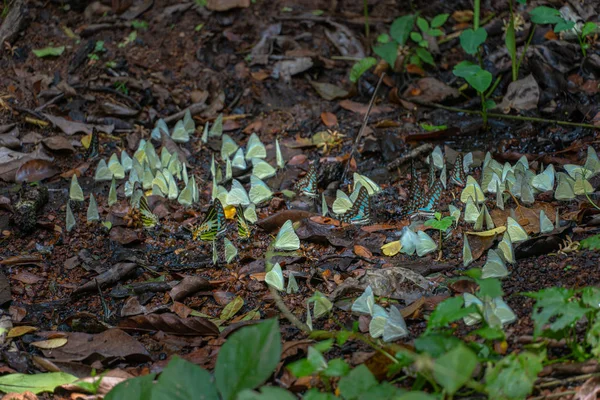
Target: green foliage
x: 513, y: 377
x: 137, y: 24
x: 592, y: 242
x: 240, y: 366
x: 361, y: 67
x: 401, y: 30
x: 440, y: 223
x: 36, y: 383
x: 545, y: 15
x: 448, y: 311
x: 49, y: 51
x: 475, y: 76
x: 358, y: 382
x: 454, y: 369
x: 470, y: 40
x: 433, y: 128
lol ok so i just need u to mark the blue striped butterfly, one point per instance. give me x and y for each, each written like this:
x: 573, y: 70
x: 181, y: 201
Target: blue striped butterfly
x: 360, y: 212
x: 415, y: 193
x: 431, y: 199
x: 308, y: 184
x: 458, y: 173
x: 431, y: 171
x: 213, y: 225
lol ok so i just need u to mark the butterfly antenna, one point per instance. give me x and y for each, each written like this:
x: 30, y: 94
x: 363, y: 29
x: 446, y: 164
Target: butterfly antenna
x: 363, y: 127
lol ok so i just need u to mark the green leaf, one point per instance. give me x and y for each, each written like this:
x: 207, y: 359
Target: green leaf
x: 383, y: 38
x: 439, y: 20
x: 357, y: 382
x: 448, y: 311
x: 436, y: 344
x: 182, y: 380
x: 588, y: 28
x: 591, y: 297
x: 36, y: 383
x: 139, y: 388
x: 422, y: 24
x: 301, y: 368
x: 388, y: 52
x: 314, y: 394
x: 489, y: 104
x: 324, y: 346
x: 49, y: 51
x: 383, y: 391
x: 563, y: 25
x: 435, y: 32
x: 454, y: 369
x: 425, y: 55
x: 545, y: 15
x: 342, y: 337
x: 513, y: 376
x: 470, y: 40
x: 417, y: 396
x: 361, y: 67
x: 401, y: 28
x: 336, y: 367
x: 490, y: 287
x: 266, y: 393
x: 478, y: 78
x: 489, y: 333
x: 433, y: 128
x: 593, y: 337
x: 416, y: 36
x: 248, y: 358
x: 557, y: 304
x: 592, y: 242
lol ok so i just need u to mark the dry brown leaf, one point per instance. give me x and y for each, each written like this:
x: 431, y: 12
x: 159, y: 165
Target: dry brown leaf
x: 329, y: 119
x: 362, y: 251
x: 20, y: 331
x: 50, y: 343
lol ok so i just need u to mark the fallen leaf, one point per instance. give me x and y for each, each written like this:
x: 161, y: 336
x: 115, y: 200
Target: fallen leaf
x: 275, y: 221
x: 24, y: 259
x: 111, y: 344
x: 59, y: 143
x: 20, y: 331
x: 188, y: 286
x: 50, y: 343
x: 224, y: 5
x: 36, y: 170
x: 73, y: 127
x: 113, y: 275
x: 171, y: 324
x: 362, y: 251
x: 360, y: 108
x: 430, y: 90
x: 35, y: 383
x: 329, y: 119
x: 521, y: 95
x: 329, y: 91
x: 27, y: 278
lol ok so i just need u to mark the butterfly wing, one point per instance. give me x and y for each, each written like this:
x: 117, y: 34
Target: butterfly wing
x: 213, y: 225
x: 458, y: 172
x: 149, y: 219
x: 360, y: 212
x: 242, y: 224
x: 308, y: 184
x: 93, y: 150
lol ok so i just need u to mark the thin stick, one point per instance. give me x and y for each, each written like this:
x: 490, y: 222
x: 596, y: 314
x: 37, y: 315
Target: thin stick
x: 363, y: 127
x: 287, y: 313
x: 501, y: 116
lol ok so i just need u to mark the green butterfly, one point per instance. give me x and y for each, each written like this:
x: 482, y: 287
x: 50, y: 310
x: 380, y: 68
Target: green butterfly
x: 244, y: 229
x: 149, y: 220
x: 287, y: 239
x: 213, y: 225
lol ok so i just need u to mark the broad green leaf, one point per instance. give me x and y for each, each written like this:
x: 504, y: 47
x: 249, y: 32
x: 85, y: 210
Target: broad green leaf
x: 416, y: 36
x: 417, y: 396
x: 337, y: 367
x: 513, y: 376
x: 49, y: 51
x: 470, y: 40
x: 388, y: 52
x: 182, y: 380
x: 139, y: 388
x: 436, y: 344
x: 361, y: 67
x: 314, y: 394
x: 555, y: 303
x: 266, y: 393
x: 479, y: 78
x: 448, y: 311
x: 248, y: 358
x: 360, y: 380
x: 435, y: 32
x: 564, y: 25
x: 588, y: 28
x: 36, y: 383
x: 439, y: 20
x: 490, y: 287
x: 422, y: 24
x: 591, y: 297
x: 425, y: 55
x: 545, y: 15
x: 401, y: 28
x: 592, y: 337
x: 454, y: 369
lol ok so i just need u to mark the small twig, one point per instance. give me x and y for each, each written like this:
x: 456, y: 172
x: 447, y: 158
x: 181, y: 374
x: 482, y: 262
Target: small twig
x: 414, y: 154
x: 116, y: 93
x: 50, y: 102
x: 363, y: 127
x: 501, y: 116
x: 287, y: 313
x: 554, y: 395
x: 558, y: 382
x: 342, y: 256
x: 107, y: 312
x: 194, y: 109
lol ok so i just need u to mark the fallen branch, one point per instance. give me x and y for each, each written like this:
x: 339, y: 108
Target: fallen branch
x: 414, y: 154
x: 287, y: 313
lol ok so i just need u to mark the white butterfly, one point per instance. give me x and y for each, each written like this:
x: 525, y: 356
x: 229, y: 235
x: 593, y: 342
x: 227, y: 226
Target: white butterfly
x: 286, y: 238
x: 75, y: 192
x: 494, y: 266
x: 92, y: 211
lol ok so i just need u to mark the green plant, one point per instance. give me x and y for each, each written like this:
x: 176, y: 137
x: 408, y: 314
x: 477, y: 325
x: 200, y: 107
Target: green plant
x: 245, y: 362
x: 5, y: 9
x: 558, y: 311
x: 137, y: 24
x: 128, y: 40
x: 121, y: 87
x: 480, y: 80
x: 546, y: 15
x: 395, y: 44
x: 94, y: 386
x: 441, y: 224
x: 98, y: 49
